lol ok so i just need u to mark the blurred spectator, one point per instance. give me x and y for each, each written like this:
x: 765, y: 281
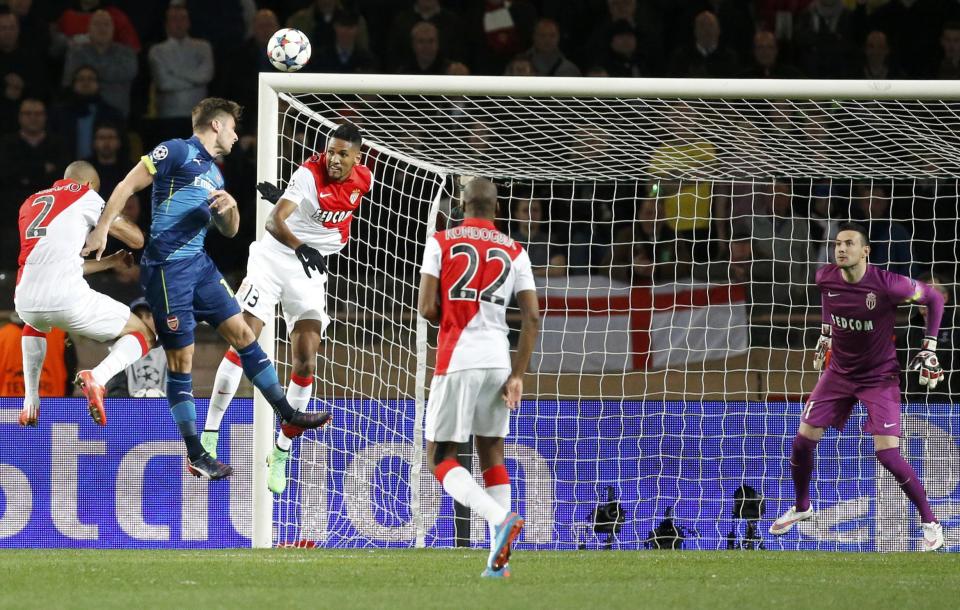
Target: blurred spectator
x: 706, y: 57
x: 107, y: 158
x: 824, y: 224
x: 33, y: 25
x: 74, y: 119
x: 913, y: 29
x: 876, y: 59
x: 646, y: 21
x: 622, y: 57
x: 530, y: 228
x: 780, y: 269
x: 889, y: 240
x: 736, y: 19
x: 644, y: 251
x: 426, y: 51
x: 30, y: 160
x: 181, y: 66
x: 224, y: 24
x: 344, y: 56
x: 457, y: 68
x: 519, y: 66
x: 22, y: 60
x: 949, y: 68
x: 59, y: 364
x: 116, y: 64
x: 766, y: 56
x: 12, y: 95
x: 500, y: 30
x: 74, y: 23
x: 316, y: 21
x: 449, y: 26
x: 148, y: 375
x: 826, y: 36
x: 947, y: 345
x: 545, y: 55
x: 238, y: 80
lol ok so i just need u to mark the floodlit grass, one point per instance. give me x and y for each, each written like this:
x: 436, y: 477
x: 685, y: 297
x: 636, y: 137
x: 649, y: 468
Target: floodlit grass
x: 439, y: 578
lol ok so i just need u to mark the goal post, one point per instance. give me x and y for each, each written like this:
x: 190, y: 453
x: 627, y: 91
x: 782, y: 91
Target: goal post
x: 675, y: 226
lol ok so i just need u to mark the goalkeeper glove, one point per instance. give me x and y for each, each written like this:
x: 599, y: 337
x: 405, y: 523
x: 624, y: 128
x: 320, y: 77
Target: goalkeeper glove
x: 310, y: 258
x: 821, y: 357
x: 926, y: 362
x: 270, y: 192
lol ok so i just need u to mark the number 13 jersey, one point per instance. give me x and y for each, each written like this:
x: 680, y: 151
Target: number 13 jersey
x: 480, y: 269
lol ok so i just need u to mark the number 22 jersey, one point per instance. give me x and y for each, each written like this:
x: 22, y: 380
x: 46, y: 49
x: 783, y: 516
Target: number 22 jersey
x: 480, y: 269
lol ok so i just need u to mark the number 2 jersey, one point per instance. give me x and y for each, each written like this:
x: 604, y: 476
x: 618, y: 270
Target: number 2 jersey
x: 324, y: 207
x: 53, y: 225
x: 480, y: 269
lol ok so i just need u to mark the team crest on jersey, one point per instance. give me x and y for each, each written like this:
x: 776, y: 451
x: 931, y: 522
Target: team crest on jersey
x: 73, y: 187
x: 159, y: 153
x: 354, y: 195
x: 314, y: 158
x: 871, y: 300
x: 173, y: 323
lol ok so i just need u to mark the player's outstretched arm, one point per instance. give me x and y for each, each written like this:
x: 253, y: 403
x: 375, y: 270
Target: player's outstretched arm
x: 428, y: 304
x: 122, y: 259
x: 138, y: 179
x: 529, y: 328
x: 277, y: 226
x: 127, y: 232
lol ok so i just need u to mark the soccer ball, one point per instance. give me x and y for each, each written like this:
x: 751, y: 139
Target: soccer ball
x: 288, y: 50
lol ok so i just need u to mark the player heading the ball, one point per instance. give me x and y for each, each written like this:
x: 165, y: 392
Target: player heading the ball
x: 311, y: 220
x: 181, y: 283
x: 469, y: 274
x: 859, y: 362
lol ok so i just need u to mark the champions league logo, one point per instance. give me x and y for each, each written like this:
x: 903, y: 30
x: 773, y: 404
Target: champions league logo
x: 871, y: 300
x: 159, y: 153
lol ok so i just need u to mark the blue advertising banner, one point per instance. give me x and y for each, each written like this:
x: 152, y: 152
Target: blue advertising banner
x: 69, y: 483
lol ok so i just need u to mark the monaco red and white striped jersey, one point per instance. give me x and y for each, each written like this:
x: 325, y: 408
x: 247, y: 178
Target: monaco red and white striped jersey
x: 480, y: 269
x: 54, y: 224
x: 324, y: 207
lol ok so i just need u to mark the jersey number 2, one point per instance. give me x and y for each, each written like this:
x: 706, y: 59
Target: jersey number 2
x: 34, y: 230
x: 459, y: 290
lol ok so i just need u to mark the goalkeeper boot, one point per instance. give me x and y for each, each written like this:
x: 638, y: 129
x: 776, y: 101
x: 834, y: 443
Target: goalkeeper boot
x: 790, y: 518
x: 504, y: 536
x: 309, y: 421
x: 205, y: 467
x: 209, y: 439
x: 30, y: 413
x: 94, y: 393
x: 503, y: 572
x: 277, y: 477
x: 932, y: 536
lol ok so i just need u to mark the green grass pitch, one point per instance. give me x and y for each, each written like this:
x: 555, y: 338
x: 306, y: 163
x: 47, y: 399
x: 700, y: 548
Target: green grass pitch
x: 443, y: 578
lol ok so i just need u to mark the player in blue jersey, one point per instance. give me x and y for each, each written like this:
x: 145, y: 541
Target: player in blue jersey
x: 181, y: 283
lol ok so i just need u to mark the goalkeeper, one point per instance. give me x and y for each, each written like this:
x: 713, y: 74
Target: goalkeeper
x: 857, y: 355
x: 311, y: 220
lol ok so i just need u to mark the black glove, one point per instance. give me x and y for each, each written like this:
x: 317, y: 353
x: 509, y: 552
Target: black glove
x: 310, y: 258
x: 270, y: 192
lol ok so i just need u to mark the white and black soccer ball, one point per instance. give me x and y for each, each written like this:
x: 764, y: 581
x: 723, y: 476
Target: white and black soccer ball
x: 288, y: 50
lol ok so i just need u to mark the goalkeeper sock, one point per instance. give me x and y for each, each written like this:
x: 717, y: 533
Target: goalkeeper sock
x: 183, y: 411
x: 801, y: 467
x: 225, y: 385
x: 459, y: 483
x: 127, y: 350
x: 903, y: 472
x: 33, y: 344
x: 299, y: 391
x: 260, y: 371
x: 497, y: 482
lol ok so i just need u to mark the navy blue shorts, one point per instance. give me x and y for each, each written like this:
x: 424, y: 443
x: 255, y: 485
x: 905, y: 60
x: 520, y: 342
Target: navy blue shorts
x: 184, y: 292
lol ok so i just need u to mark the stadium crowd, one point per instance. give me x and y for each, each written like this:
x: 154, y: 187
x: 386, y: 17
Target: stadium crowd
x: 104, y: 79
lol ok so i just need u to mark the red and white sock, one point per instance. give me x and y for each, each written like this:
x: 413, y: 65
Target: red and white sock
x: 127, y: 350
x: 458, y: 482
x: 299, y: 391
x: 33, y: 344
x: 497, y: 481
x: 225, y: 385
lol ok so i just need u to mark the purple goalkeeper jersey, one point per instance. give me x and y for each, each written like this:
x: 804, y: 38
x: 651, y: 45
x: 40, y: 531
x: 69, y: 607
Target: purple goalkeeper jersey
x: 862, y: 318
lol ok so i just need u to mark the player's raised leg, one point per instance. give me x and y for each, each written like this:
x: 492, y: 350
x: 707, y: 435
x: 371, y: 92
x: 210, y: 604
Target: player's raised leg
x: 33, y: 345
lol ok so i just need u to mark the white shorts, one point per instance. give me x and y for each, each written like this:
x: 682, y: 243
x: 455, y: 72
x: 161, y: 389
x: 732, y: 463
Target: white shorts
x: 91, y: 314
x: 274, y: 278
x: 467, y: 402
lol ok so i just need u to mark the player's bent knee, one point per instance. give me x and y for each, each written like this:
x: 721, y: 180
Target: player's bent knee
x: 883, y: 441
x: 810, y: 432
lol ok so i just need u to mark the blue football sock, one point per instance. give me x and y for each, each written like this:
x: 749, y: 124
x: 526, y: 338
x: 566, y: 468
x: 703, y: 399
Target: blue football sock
x: 260, y: 371
x: 183, y: 411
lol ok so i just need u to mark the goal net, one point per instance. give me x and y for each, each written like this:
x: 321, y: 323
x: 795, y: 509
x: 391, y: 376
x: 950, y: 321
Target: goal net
x: 675, y: 228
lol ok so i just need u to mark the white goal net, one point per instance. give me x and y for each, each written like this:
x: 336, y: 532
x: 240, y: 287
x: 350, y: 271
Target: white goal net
x: 675, y: 230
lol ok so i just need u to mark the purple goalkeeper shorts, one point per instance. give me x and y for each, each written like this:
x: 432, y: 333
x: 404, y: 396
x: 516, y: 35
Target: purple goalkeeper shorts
x: 833, y: 399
